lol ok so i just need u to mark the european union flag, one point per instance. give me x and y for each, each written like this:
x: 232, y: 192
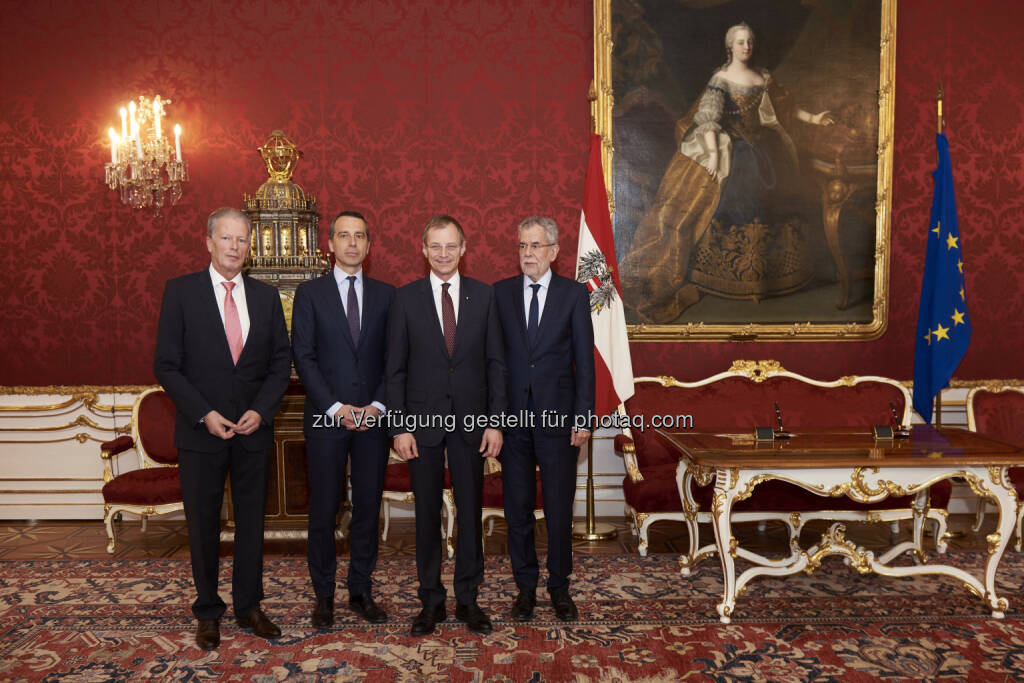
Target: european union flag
x: 943, y: 328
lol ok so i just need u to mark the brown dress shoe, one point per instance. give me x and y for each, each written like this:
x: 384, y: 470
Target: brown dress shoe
x: 364, y: 606
x: 323, y: 613
x: 208, y: 634
x: 427, y: 620
x: 474, y: 618
x: 522, y: 608
x: 565, y: 608
x: 259, y: 623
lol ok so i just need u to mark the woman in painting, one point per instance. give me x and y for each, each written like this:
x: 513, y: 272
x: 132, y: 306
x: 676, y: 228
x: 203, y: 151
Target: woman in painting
x: 736, y: 166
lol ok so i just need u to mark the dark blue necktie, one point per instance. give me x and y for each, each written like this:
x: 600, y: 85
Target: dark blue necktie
x: 534, y: 319
x: 352, y: 310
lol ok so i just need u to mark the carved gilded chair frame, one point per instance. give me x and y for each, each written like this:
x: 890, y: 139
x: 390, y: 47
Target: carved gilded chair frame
x: 759, y: 371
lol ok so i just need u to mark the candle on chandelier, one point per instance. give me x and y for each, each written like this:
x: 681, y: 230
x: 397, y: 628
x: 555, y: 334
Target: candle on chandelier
x: 156, y: 116
x: 113, y: 146
x: 124, y: 122
x: 135, y: 124
x: 177, y: 142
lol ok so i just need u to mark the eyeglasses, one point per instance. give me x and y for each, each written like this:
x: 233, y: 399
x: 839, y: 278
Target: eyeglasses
x: 533, y: 246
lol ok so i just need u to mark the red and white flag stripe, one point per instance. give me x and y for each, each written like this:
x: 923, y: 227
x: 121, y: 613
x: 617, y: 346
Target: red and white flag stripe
x: 613, y: 366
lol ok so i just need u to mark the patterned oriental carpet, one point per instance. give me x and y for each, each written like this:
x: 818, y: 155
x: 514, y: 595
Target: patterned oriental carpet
x: 121, y: 620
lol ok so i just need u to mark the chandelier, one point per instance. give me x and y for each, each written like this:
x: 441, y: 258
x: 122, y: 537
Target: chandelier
x: 144, y: 164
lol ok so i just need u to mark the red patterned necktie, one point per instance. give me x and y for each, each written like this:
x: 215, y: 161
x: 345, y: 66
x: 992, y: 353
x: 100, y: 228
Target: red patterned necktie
x: 448, y: 317
x: 232, y: 323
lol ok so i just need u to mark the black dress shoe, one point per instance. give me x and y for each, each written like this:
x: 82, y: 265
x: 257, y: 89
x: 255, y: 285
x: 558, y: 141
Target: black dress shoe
x: 565, y: 608
x: 427, y: 619
x: 476, y: 620
x: 364, y: 606
x: 208, y: 634
x: 259, y: 623
x: 323, y: 613
x: 522, y: 608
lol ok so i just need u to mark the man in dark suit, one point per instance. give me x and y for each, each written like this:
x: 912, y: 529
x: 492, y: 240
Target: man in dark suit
x: 222, y: 356
x: 446, y: 369
x: 549, y: 349
x: 339, y: 325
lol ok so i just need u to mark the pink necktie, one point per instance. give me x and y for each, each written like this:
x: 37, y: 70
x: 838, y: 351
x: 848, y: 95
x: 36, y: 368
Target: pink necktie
x: 232, y: 324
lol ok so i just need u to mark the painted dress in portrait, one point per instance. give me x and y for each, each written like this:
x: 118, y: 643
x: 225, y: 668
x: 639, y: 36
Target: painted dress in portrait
x: 740, y: 235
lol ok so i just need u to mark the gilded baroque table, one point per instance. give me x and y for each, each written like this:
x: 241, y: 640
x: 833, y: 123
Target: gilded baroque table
x: 860, y: 467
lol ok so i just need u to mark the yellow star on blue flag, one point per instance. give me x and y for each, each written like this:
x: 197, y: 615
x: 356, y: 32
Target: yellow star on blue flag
x: 943, y: 325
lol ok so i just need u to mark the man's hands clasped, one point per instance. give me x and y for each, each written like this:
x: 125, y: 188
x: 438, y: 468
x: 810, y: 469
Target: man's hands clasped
x: 223, y: 428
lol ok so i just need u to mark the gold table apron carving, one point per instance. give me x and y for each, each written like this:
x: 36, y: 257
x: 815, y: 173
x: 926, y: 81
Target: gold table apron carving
x: 859, y: 467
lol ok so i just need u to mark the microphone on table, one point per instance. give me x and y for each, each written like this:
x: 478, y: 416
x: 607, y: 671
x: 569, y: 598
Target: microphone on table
x: 781, y: 432
x: 898, y: 430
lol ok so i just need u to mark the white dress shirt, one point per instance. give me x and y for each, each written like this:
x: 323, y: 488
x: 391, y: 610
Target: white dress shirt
x: 237, y: 294
x: 453, y: 291
x: 341, y: 278
x: 542, y: 294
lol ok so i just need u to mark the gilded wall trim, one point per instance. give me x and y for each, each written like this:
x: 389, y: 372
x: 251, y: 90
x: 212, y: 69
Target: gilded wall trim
x: 64, y: 389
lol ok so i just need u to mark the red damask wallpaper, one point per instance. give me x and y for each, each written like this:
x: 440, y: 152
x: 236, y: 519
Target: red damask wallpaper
x: 405, y: 108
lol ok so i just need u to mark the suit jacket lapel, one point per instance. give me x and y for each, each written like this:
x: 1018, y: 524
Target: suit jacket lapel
x: 520, y: 306
x: 551, y: 303
x: 255, y: 317
x: 468, y: 310
x: 430, y: 307
x: 364, y: 312
x: 211, y: 311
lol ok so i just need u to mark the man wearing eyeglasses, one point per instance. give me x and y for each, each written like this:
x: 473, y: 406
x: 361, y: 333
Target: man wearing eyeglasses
x: 445, y: 370
x: 222, y: 355
x: 549, y: 350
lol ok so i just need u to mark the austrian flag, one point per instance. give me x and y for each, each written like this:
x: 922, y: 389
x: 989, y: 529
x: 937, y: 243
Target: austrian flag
x: 598, y: 269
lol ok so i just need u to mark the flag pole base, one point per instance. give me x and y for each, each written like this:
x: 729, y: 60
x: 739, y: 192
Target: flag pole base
x: 582, y: 531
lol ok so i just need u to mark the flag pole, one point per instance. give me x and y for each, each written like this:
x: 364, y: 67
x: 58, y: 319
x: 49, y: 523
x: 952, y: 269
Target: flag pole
x: 938, y: 103
x: 591, y: 530
x: 597, y: 269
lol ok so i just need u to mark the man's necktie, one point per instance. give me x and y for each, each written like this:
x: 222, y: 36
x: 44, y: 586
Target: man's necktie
x: 534, y: 320
x: 232, y: 323
x: 448, y: 317
x: 352, y: 310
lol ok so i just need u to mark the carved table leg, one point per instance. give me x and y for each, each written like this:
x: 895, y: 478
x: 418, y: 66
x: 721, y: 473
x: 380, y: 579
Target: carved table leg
x: 721, y: 511
x: 1006, y: 499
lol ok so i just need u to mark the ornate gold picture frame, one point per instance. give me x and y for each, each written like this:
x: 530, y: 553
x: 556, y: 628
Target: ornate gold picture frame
x: 748, y: 158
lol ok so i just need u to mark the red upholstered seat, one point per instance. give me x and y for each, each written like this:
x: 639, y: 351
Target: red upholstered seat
x: 999, y: 412
x: 494, y: 498
x: 398, y: 489
x: 156, y: 428
x: 735, y: 402
x: 151, y: 486
x: 658, y: 493
x: 397, y: 477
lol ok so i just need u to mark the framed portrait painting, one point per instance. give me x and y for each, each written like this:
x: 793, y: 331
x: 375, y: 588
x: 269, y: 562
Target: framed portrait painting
x: 748, y: 157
